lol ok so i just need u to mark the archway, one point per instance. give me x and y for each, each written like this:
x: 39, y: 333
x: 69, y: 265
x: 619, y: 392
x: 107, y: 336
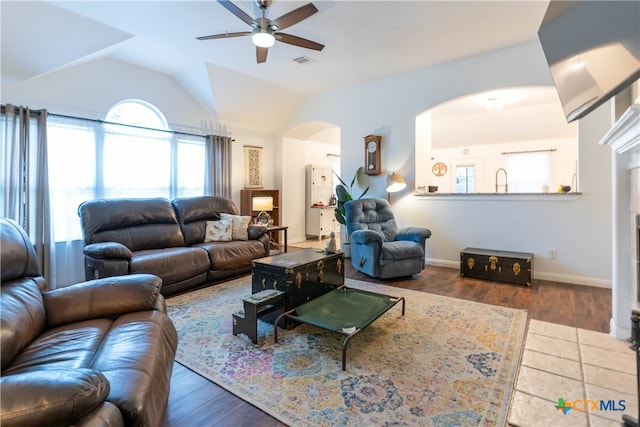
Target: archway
x: 316, y: 143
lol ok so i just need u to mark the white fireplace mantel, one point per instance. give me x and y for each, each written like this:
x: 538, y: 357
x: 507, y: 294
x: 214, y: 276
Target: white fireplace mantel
x: 624, y: 140
x: 625, y: 133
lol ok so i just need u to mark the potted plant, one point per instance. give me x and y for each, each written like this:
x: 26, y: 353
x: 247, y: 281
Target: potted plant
x: 343, y: 195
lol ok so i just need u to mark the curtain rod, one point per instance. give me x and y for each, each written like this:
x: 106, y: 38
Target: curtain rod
x: 529, y: 151
x: 125, y: 124
x: 38, y: 112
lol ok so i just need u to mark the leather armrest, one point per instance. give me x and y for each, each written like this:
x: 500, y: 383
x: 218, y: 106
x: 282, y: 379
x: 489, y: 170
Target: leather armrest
x: 256, y: 231
x: 52, y: 397
x: 366, y: 237
x: 108, y: 250
x: 415, y: 234
x: 107, y: 297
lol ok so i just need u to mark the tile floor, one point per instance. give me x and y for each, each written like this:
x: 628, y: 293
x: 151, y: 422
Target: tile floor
x: 314, y: 243
x: 575, y: 365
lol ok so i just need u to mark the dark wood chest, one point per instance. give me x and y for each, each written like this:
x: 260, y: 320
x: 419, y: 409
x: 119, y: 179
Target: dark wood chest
x: 302, y: 275
x: 498, y: 266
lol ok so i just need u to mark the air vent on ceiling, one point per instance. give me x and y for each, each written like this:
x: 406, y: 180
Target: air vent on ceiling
x: 302, y: 60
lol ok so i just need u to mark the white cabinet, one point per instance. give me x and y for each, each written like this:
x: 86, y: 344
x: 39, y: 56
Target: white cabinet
x: 320, y: 217
x: 321, y: 221
x: 319, y: 185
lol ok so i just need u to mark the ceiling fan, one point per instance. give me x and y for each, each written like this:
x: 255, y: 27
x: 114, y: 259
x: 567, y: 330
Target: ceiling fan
x: 266, y: 31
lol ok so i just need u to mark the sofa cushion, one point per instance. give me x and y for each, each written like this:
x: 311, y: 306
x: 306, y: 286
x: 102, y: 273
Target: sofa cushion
x: 240, y: 230
x: 136, y: 357
x: 139, y: 224
x: 194, y: 212
x: 106, y: 297
x: 23, y: 317
x: 219, y: 231
x: 372, y: 214
x: 18, y: 258
x: 52, y: 397
x: 400, y: 250
x: 67, y: 347
x: 233, y: 255
x: 171, y: 264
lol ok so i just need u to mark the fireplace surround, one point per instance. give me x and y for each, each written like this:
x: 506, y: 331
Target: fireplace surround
x: 624, y: 139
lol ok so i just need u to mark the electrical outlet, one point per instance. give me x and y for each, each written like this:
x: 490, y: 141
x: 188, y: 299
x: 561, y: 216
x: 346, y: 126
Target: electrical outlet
x: 553, y: 254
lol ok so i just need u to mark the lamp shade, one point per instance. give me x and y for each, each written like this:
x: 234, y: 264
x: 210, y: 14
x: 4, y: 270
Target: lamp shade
x: 395, y: 182
x: 262, y: 203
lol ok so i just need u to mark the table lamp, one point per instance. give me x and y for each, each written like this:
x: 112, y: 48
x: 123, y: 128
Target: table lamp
x: 262, y: 204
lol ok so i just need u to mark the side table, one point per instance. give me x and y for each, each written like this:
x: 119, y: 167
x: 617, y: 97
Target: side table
x: 278, y: 228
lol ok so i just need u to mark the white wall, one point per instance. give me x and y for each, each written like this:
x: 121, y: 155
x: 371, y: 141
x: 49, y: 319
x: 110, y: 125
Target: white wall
x: 244, y: 137
x: 578, y: 228
x: 293, y: 188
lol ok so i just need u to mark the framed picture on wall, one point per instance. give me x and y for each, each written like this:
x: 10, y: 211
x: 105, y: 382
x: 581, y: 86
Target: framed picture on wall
x: 253, y: 177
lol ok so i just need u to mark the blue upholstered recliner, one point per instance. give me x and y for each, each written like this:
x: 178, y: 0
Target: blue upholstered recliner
x: 378, y: 247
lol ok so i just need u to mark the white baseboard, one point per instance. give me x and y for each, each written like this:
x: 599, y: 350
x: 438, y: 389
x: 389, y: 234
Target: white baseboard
x: 575, y: 280
x: 540, y: 275
x: 443, y: 263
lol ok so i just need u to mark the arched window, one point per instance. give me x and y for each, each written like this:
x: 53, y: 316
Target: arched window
x: 136, y: 112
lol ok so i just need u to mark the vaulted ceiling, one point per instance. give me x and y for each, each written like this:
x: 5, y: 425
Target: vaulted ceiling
x: 364, y: 41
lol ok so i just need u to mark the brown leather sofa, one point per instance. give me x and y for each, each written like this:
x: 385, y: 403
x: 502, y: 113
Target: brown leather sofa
x: 98, y: 353
x: 165, y: 238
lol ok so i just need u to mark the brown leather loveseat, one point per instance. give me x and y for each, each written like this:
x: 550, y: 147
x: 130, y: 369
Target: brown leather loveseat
x: 167, y: 239
x: 98, y: 353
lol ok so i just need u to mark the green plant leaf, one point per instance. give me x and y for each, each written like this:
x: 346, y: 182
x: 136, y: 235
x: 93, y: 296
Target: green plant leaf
x: 342, y: 194
x: 340, y: 179
x: 364, y: 192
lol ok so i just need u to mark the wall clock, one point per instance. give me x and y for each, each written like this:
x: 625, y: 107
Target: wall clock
x: 439, y: 169
x: 372, y: 155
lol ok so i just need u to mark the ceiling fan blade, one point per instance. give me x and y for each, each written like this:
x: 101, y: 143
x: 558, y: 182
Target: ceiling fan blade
x: 293, y: 17
x: 261, y: 54
x: 298, y: 41
x: 224, y: 35
x: 236, y: 11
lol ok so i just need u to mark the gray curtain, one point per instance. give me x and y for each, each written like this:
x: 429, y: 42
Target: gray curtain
x: 25, y: 179
x: 219, y: 160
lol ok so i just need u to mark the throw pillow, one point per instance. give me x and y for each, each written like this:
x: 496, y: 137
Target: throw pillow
x: 218, y: 231
x: 239, y: 230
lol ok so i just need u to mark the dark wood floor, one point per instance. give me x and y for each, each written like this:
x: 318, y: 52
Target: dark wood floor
x: 195, y: 401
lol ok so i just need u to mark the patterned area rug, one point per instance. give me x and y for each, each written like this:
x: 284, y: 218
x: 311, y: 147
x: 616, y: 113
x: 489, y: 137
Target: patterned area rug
x: 447, y: 362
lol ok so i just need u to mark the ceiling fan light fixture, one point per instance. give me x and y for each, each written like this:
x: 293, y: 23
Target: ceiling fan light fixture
x: 263, y: 39
x: 264, y: 31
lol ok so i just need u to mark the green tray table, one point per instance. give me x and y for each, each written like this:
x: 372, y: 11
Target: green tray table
x: 344, y: 310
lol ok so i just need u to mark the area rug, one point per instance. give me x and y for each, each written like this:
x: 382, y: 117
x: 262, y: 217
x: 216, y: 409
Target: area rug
x: 447, y: 362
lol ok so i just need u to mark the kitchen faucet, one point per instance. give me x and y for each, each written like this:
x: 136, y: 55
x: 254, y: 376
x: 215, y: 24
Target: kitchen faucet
x: 506, y: 186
